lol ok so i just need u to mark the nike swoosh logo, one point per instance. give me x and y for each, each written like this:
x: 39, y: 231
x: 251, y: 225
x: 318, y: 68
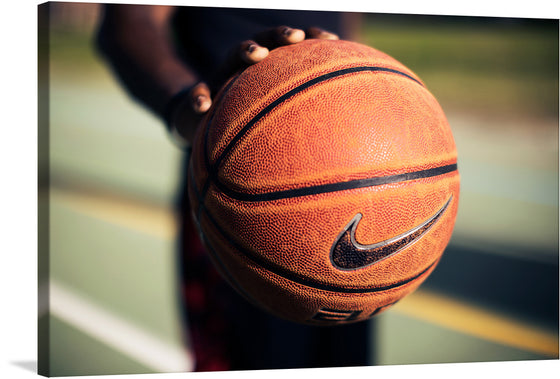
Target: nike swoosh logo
x: 348, y: 254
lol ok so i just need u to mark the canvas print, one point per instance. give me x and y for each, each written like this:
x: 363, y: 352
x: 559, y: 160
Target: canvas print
x: 225, y: 189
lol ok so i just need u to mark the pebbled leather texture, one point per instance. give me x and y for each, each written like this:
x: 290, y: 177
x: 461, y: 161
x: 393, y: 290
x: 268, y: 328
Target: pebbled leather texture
x: 307, y: 118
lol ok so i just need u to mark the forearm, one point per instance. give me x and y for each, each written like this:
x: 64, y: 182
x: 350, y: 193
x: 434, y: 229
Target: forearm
x: 137, y: 41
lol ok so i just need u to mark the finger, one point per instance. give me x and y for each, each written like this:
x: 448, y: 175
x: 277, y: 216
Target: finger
x: 280, y: 36
x: 245, y: 54
x: 318, y: 33
x: 200, y: 98
x: 251, y: 52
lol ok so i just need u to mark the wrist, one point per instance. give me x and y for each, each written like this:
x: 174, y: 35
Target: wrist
x: 179, y: 103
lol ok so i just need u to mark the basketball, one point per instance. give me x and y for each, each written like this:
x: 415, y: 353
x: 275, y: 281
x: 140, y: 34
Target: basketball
x: 324, y: 182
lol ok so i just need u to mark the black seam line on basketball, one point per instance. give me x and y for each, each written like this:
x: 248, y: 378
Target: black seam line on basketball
x: 207, y: 132
x: 293, y: 92
x: 200, y: 199
x: 207, y: 242
x: 207, y: 126
x: 223, y: 269
x: 335, y: 187
x: 299, y: 279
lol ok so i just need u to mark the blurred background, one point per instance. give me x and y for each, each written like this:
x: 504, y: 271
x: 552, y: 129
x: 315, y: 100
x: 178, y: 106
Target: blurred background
x: 108, y: 174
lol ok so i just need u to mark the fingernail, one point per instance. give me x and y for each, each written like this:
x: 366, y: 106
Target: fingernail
x: 199, y: 100
x: 328, y: 35
x: 287, y: 31
x: 254, y: 53
x: 202, y: 103
x: 293, y: 35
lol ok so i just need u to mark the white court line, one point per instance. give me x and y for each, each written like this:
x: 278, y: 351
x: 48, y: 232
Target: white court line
x: 117, y: 332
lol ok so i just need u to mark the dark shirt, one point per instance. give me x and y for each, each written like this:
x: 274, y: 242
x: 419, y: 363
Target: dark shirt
x: 205, y: 36
x: 246, y: 337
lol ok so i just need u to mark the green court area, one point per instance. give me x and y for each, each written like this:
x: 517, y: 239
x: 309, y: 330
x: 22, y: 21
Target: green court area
x: 114, y: 172
x: 479, y: 65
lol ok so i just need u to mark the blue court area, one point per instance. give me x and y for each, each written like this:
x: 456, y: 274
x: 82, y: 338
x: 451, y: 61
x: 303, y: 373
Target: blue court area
x: 113, y: 176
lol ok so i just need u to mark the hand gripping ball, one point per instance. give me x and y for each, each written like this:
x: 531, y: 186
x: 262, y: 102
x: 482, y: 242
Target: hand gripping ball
x: 324, y: 182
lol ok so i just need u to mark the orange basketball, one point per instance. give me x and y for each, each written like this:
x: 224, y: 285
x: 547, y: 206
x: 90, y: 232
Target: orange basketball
x: 324, y: 182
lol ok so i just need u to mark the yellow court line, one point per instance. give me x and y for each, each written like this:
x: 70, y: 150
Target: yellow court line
x: 476, y: 321
x: 425, y: 305
x: 157, y: 221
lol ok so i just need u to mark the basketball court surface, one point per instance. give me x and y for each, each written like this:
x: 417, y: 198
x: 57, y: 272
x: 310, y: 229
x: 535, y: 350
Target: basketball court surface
x: 113, y: 176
